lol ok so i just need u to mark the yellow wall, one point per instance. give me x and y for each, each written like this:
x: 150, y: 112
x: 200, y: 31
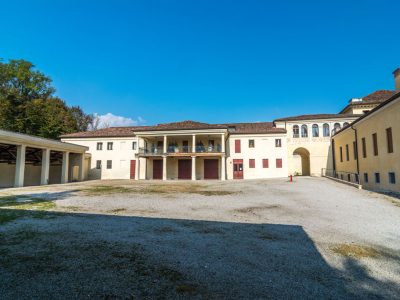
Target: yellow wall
x: 384, y: 162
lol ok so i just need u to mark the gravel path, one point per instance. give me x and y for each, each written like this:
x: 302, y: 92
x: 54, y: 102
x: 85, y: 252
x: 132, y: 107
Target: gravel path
x: 261, y: 239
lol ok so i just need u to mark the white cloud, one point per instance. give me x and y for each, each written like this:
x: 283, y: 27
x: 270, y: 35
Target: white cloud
x: 110, y: 120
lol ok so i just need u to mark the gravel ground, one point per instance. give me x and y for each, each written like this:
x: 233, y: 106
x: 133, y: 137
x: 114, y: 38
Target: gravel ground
x: 261, y: 239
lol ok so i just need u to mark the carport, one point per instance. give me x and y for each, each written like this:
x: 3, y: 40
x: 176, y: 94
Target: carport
x: 27, y: 160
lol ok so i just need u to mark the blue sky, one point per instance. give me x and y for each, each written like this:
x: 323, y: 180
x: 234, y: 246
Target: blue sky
x: 211, y: 61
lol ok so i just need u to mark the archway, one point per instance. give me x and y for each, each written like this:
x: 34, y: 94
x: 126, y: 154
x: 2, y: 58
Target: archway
x: 301, y: 158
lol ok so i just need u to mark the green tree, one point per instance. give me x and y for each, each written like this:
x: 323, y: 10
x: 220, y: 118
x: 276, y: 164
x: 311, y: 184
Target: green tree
x: 28, y: 104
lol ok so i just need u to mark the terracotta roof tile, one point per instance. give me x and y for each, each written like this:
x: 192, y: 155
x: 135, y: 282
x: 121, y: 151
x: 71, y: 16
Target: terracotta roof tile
x: 316, y: 117
x: 253, y: 128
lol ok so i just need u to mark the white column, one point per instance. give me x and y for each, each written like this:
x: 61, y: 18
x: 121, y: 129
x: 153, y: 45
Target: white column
x: 193, y: 143
x: 65, y: 167
x: 164, y: 169
x: 44, y: 177
x: 223, y: 143
x: 20, y: 166
x: 223, y: 170
x: 193, y: 167
x: 137, y: 168
x: 81, y: 162
x: 165, y: 144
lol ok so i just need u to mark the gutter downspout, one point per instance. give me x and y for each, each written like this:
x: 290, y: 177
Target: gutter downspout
x: 333, y: 156
x: 358, y: 164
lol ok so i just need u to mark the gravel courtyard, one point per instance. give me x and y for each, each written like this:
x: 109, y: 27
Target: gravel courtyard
x: 261, y: 239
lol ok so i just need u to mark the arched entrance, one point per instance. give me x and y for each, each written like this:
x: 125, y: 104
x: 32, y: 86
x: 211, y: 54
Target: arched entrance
x: 301, y: 158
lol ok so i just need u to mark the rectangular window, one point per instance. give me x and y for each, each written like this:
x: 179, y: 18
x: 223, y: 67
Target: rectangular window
x: 265, y: 163
x: 279, y: 163
x: 134, y: 145
x: 278, y: 143
x: 109, y: 145
x: 341, y: 154
x: 389, y: 138
x: 364, y: 147
x: 375, y: 143
x: 98, y: 164
x: 355, y: 150
x: 251, y: 143
x: 99, y: 146
x: 366, y: 177
x: 237, y: 146
x: 392, y: 178
x: 377, y: 178
x: 109, y: 164
x: 347, y: 152
x: 252, y: 163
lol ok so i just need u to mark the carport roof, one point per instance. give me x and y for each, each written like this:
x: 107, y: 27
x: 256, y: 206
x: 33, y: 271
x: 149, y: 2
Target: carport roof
x: 15, y: 138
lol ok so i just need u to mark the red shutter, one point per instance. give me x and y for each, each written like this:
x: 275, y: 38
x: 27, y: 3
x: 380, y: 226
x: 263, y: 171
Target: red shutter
x: 265, y: 163
x: 279, y: 162
x: 252, y: 163
x: 237, y: 146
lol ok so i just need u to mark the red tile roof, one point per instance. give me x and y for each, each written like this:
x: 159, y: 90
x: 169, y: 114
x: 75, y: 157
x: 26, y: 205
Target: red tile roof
x: 234, y: 128
x: 376, y: 97
x: 316, y: 117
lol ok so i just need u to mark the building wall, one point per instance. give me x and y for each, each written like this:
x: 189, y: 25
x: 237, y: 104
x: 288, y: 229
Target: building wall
x: 121, y: 157
x: 318, y: 148
x: 384, y: 162
x: 264, y: 148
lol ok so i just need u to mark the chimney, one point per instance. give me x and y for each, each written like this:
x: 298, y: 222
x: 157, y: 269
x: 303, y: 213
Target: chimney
x: 396, y: 74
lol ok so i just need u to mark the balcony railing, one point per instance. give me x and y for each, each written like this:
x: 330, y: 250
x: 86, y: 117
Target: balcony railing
x: 155, y: 151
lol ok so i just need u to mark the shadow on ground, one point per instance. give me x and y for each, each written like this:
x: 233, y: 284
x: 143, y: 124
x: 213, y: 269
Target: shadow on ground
x: 75, y: 255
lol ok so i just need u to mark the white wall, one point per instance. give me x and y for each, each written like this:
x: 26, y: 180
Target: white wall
x: 264, y: 149
x: 121, y: 157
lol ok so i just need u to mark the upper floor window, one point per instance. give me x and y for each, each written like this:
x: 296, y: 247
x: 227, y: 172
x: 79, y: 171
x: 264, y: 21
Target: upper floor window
x: 315, y: 130
x: 99, y: 146
x: 98, y: 164
x: 389, y: 139
x: 392, y: 178
x: 336, y: 127
x: 375, y: 143
x: 278, y: 163
x: 134, y: 145
x: 237, y: 146
x: 295, y: 131
x: 252, y: 163
x: 364, y: 147
x: 251, y: 143
x: 109, y: 145
x: 325, y: 128
x: 304, y: 131
x: 109, y: 164
x: 345, y: 124
x: 278, y: 143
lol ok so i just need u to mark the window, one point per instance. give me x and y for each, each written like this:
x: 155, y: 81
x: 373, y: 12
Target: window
x: 345, y: 124
x: 278, y: 143
x: 98, y: 164
x: 304, y: 131
x: 389, y: 139
x: 364, y: 147
x: 99, y: 146
x: 109, y: 164
x: 366, y: 177
x: 315, y: 130
x: 109, y: 145
x: 347, y: 152
x: 325, y: 128
x: 348, y: 177
x: 279, y: 162
x: 252, y: 163
x: 237, y: 146
x: 295, y: 131
x: 341, y: 154
x: 392, y: 178
x: 377, y: 178
x: 355, y: 150
x: 375, y: 143
x: 265, y: 163
x: 251, y: 143
x: 134, y: 145
x: 336, y: 127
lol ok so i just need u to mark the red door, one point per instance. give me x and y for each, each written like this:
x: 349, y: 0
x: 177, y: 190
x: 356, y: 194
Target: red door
x: 184, y: 169
x: 238, y: 169
x: 133, y: 169
x: 157, y: 169
x: 211, y: 169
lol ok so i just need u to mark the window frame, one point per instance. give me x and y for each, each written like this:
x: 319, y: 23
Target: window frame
x: 108, y: 146
x: 326, y: 130
x: 347, y: 153
x: 109, y: 164
x: 304, y: 131
x: 98, y: 164
x: 252, y: 163
x: 278, y: 143
x: 364, y: 147
x: 279, y: 163
x: 296, y: 128
x: 341, y: 153
x: 99, y: 146
x: 377, y: 177
x: 389, y: 140
x: 252, y: 143
x: 366, y: 177
x: 375, y: 143
x: 134, y: 145
x: 265, y: 163
x: 238, y: 146
x: 392, y: 177
x: 315, y: 133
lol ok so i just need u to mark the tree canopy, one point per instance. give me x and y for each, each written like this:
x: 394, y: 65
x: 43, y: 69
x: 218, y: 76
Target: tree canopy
x: 28, y: 104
